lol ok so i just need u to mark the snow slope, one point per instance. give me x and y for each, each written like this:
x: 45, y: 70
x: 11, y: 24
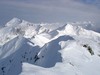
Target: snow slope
x: 40, y: 49
x: 14, y: 52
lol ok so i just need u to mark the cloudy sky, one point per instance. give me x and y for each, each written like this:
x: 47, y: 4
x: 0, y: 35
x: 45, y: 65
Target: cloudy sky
x: 51, y: 11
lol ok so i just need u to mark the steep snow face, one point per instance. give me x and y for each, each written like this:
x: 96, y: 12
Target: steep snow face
x: 50, y: 52
x: 49, y: 48
x: 14, y: 53
x: 6, y: 34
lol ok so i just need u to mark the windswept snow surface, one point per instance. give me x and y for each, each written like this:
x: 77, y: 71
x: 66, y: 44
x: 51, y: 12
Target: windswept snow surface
x: 54, y: 49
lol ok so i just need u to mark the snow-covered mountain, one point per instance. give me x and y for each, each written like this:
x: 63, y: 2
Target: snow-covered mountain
x: 54, y: 49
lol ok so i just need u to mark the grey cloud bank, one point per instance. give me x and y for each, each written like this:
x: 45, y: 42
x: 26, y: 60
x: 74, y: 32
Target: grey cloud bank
x: 50, y: 11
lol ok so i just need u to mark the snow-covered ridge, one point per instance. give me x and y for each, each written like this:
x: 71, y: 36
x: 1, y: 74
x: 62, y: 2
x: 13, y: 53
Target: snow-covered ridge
x: 37, y: 49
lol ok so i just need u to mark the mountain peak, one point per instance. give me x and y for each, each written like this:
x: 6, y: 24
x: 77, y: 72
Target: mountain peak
x: 13, y: 22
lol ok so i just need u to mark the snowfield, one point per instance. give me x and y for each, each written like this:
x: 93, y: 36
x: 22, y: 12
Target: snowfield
x: 49, y: 49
